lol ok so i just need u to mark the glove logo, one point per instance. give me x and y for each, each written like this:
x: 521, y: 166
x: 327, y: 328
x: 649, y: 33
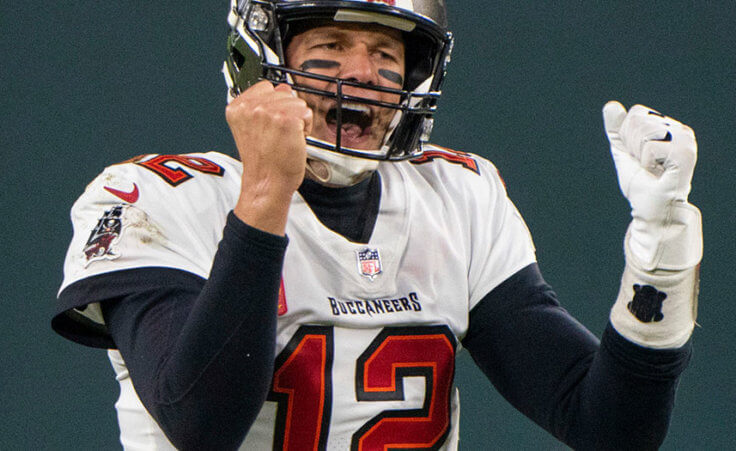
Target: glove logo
x: 647, y: 303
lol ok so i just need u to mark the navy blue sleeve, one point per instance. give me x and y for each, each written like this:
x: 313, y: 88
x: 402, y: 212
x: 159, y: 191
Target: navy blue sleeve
x: 611, y: 394
x: 200, y: 353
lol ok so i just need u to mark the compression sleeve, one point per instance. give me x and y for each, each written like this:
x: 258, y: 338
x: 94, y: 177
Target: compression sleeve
x: 202, y: 362
x: 611, y: 394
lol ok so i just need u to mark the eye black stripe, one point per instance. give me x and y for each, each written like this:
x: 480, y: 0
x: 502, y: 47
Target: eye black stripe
x: 319, y: 64
x: 391, y: 76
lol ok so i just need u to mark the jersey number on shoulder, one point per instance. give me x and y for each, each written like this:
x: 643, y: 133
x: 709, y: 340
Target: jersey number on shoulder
x: 173, y: 174
x: 302, y: 388
x: 452, y: 156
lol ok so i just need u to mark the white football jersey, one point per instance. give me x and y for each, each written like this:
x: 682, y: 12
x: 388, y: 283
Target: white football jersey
x: 367, y: 333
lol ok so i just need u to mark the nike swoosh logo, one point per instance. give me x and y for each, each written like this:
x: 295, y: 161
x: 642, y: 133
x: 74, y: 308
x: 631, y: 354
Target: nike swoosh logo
x: 130, y: 197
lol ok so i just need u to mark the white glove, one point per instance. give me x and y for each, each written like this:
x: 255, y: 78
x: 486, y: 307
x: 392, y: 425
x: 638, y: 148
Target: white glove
x: 655, y: 158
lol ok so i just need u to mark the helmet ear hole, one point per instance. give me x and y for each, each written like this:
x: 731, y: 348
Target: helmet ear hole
x: 238, y: 58
x: 245, y: 65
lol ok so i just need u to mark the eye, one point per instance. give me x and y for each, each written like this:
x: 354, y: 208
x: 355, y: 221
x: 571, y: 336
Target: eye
x: 388, y: 56
x: 388, y: 53
x: 327, y: 45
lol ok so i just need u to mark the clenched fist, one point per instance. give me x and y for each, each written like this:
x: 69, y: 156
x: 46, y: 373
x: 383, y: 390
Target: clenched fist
x: 269, y: 125
x: 655, y: 157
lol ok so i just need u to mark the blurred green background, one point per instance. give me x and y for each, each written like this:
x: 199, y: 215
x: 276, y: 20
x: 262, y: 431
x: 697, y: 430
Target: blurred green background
x: 86, y: 84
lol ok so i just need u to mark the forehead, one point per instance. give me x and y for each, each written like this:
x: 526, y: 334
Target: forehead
x: 374, y: 33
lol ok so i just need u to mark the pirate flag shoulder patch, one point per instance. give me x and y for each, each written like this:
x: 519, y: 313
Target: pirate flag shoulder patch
x: 104, y: 236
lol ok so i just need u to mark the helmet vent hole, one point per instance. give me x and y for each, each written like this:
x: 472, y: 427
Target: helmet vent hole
x: 238, y: 57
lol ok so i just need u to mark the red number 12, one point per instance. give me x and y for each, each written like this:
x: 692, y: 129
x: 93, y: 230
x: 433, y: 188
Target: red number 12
x: 302, y: 388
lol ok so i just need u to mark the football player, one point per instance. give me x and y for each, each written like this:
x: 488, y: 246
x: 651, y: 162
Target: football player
x: 315, y: 295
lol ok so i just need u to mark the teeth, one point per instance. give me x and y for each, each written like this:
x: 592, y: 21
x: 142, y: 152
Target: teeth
x: 356, y: 107
x: 352, y: 113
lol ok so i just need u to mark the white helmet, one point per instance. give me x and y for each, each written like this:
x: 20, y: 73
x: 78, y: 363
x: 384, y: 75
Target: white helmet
x: 260, y: 30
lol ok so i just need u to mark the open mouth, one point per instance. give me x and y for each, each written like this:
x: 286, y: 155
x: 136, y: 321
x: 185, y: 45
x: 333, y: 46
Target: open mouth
x: 356, y: 120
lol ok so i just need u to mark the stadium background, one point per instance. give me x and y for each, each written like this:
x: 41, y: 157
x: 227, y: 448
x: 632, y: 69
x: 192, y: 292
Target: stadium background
x: 86, y: 84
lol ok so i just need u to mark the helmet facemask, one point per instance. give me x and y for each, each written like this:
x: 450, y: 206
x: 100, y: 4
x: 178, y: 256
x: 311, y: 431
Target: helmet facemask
x: 261, y: 30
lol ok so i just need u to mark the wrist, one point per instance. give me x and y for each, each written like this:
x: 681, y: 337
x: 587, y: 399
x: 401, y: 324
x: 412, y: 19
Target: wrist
x: 657, y: 301
x: 264, y: 207
x: 674, y: 244
x: 656, y: 309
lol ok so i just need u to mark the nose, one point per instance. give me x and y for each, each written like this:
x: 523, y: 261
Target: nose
x: 359, y: 67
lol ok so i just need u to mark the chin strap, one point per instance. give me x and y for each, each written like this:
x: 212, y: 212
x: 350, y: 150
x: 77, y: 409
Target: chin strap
x: 318, y: 170
x: 333, y: 169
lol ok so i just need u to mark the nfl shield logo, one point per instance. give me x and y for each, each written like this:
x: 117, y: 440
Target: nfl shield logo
x: 369, y: 263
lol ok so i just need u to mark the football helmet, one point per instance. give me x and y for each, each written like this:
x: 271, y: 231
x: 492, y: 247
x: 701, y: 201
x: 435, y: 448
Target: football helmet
x: 261, y: 29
